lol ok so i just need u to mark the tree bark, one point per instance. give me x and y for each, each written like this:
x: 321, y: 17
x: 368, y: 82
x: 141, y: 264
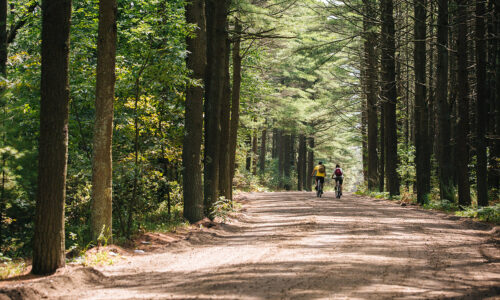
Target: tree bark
x: 225, y: 185
x: 196, y: 61
x: 102, y: 162
x: 462, y: 149
x: 281, y: 158
x: 301, y: 163
x: 493, y: 178
x: 3, y: 106
x: 3, y: 37
x: 481, y: 106
x: 262, y: 156
x: 431, y: 81
x: 310, y: 163
x: 496, y: 149
x: 423, y: 154
x: 254, y: 152
x: 304, y: 162
x: 389, y: 95
x: 370, y: 61
x: 216, y: 19
x: 287, y: 157
x: 274, y: 152
x: 293, y: 151
x: 235, y: 99
x: 445, y: 149
x: 48, y: 242
x: 364, y: 136
x: 381, y: 165
x: 248, y: 162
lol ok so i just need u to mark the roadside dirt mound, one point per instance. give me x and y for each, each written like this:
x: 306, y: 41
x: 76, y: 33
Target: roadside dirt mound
x: 62, y: 283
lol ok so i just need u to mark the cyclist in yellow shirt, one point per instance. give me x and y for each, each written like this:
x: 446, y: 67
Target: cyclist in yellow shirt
x: 320, y: 171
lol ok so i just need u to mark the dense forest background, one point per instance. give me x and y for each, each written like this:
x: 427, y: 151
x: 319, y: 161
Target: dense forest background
x: 404, y: 95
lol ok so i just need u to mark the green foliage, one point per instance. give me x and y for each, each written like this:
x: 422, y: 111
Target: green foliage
x: 444, y: 205
x: 406, y: 167
x: 222, y: 208
x: 363, y: 191
x: 488, y: 213
x: 96, y: 258
x: 151, y: 64
x: 246, y: 182
x: 10, y: 268
x: 306, y: 83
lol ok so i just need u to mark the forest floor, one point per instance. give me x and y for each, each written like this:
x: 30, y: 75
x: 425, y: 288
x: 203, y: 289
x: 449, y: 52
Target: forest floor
x: 296, y: 246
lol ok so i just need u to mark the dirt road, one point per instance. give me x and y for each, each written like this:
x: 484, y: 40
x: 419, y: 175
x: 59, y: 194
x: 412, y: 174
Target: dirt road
x: 296, y: 246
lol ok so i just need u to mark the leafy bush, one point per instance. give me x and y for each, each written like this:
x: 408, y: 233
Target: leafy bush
x: 222, y: 208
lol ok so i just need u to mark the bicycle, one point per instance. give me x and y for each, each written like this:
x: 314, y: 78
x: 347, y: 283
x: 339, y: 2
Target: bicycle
x: 338, y: 193
x: 319, y: 192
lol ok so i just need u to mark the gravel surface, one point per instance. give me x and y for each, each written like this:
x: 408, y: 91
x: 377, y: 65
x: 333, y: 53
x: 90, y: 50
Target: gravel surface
x: 296, y: 246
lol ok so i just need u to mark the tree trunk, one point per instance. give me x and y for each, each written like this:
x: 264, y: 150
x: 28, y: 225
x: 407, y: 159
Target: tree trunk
x: 304, y: 163
x: 301, y: 163
x: 254, y: 152
x: 445, y: 149
x: 389, y: 95
x: 496, y: 149
x: 274, y: 152
x: 381, y: 165
x: 310, y: 163
x: 216, y: 20
x: 364, y: 138
x: 248, y: 162
x: 293, y: 151
x: 48, y: 241
x: 135, y: 185
x: 102, y: 162
x: 262, y: 156
x: 423, y: 154
x: 481, y: 106
x: 235, y: 100
x: 371, y: 91
x: 431, y: 90
x: 287, y: 157
x: 281, y: 158
x: 462, y: 149
x: 196, y: 61
x: 225, y: 185
x: 492, y: 59
x: 3, y: 106
x: 3, y: 38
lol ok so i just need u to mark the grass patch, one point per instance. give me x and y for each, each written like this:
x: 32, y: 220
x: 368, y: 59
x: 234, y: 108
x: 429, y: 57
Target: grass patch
x: 96, y: 258
x: 11, y: 268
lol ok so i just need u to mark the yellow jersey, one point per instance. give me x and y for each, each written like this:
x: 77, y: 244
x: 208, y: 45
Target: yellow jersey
x: 318, y: 173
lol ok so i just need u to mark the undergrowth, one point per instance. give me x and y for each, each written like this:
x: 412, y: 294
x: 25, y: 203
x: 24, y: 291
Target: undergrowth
x: 10, y: 267
x: 245, y: 181
x: 161, y: 221
x: 99, y: 258
x: 223, y: 207
x: 488, y: 214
